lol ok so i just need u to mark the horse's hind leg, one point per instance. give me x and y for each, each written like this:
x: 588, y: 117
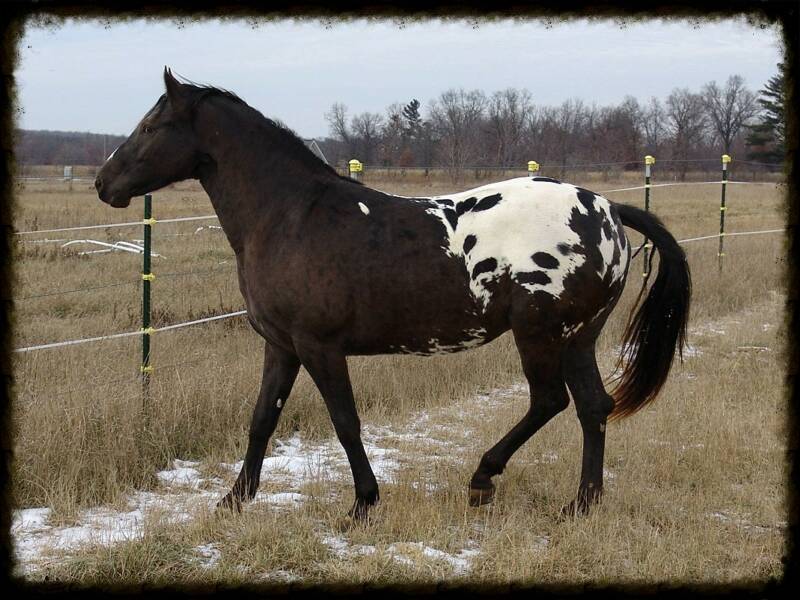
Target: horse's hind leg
x: 542, y: 367
x: 280, y: 371
x: 593, y: 405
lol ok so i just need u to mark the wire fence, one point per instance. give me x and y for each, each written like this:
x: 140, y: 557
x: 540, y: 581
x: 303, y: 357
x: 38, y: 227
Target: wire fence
x: 206, y: 217
x: 243, y: 312
x: 146, y: 331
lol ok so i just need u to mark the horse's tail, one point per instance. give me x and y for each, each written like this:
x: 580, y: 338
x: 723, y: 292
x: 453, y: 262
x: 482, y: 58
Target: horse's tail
x: 658, y: 327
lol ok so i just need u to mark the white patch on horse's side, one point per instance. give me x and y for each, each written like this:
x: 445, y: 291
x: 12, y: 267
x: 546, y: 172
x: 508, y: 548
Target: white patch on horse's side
x: 279, y: 403
x: 363, y: 208
x: 607, y: 244
x: 475, y: 338
x: 531, y: 217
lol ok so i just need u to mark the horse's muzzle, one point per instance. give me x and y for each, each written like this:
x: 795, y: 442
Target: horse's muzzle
x: 112, y: 200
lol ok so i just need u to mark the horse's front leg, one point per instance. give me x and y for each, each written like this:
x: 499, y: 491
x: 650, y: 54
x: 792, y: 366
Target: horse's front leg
x: 280, y: 371
x: 328, y: 368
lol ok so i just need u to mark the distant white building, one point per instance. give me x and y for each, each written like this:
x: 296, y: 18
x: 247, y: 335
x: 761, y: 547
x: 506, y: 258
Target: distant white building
x: 314, y: 147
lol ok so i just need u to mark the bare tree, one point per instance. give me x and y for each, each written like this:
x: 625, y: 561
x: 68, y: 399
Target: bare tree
x: 456, y: 116
x: 653, y: 125
x: 337, y: 121
x: 729, y: 108
x: 508, y: 113
x: 687, y: 122
x: 534, y: 143
x: 631, y: 117
x: 561, y: 129
x: 367, y: 132
x: 393, y: 139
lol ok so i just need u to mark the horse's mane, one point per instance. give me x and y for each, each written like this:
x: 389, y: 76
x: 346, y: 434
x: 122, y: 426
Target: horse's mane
x: 295, y: 146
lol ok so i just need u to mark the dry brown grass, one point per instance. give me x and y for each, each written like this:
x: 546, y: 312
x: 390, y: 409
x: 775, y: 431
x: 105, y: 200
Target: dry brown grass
x: 713, y: 442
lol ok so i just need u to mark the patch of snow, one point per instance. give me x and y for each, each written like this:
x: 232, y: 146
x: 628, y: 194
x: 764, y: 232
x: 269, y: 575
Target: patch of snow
x: 182, y: 473
x: 280, y: 498
x: 407, y: 553
x: 290, y: 465
x: 692, y: 351
x: 541, y: 542
x: 294, y: 461
x: 31, y: 519
x: 681, y: 448
x: 412, y: 553
x: 34, y: 539
x: 208, y: 557
x: 279, y: 575
x: 741, y: 522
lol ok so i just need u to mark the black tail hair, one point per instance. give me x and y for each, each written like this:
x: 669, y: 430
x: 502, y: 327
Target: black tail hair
x: 658, y: 327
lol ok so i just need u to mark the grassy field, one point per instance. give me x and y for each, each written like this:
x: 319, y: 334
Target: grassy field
x: 695, y: 483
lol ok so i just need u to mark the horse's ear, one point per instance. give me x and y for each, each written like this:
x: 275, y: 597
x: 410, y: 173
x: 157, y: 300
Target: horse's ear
x: 175, y: 90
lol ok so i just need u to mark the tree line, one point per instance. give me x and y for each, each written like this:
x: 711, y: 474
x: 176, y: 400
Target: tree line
x: 63, y: 147
x: 469, y: 128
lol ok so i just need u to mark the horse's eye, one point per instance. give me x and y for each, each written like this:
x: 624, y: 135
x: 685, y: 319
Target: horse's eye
x: 147, y: 129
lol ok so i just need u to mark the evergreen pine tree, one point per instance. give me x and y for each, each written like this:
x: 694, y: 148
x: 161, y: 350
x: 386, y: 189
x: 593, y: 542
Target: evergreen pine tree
x: 767, y: 138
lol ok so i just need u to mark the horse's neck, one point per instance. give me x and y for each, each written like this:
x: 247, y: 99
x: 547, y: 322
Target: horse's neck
x: 250, y: 181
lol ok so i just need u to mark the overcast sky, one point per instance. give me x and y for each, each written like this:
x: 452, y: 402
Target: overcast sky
x: 102, y: 77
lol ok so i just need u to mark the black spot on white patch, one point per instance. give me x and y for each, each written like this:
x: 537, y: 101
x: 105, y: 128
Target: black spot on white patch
x: 469, y: 243
x: 466, y: 205
x: 488, y: 202
x: 586, y: 198
x: 545, y: 260
x: 606, y: 226
x: 445, y: 201
x: 487, y: 265
x: 567, y: 249
x: 537, y: 277
x: 546, y: 179
x: 452, y: 217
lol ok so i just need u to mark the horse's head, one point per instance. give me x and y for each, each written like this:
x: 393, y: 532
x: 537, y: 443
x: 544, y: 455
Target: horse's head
x: 161, y: 150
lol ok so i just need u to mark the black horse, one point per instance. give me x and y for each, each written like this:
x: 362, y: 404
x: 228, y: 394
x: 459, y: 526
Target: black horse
x: 330, y: 268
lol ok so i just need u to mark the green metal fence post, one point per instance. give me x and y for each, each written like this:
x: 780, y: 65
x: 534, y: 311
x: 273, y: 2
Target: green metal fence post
x: 648, y: 161
x: 722, y: 208
x: 147, y: 278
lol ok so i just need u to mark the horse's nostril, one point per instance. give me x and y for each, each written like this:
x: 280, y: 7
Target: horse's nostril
x: 98, y: 184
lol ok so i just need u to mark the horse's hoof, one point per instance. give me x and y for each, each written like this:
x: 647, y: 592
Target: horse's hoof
x: 358, y: 515
x: 229, y: 504
x: 479, y: 496
x: 567, y: 511
x: 572, y: 510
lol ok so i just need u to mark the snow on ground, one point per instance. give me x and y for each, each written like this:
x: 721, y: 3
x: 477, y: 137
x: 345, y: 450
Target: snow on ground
x: 428, y: 435
x: 408, y: 553
x: 743, y: 523
x: 292, y: 463
x: 207, y: 555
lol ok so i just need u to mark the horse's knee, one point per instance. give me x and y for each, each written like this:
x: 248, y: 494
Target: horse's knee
x: 595, y: 410
x: 549, y: 400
